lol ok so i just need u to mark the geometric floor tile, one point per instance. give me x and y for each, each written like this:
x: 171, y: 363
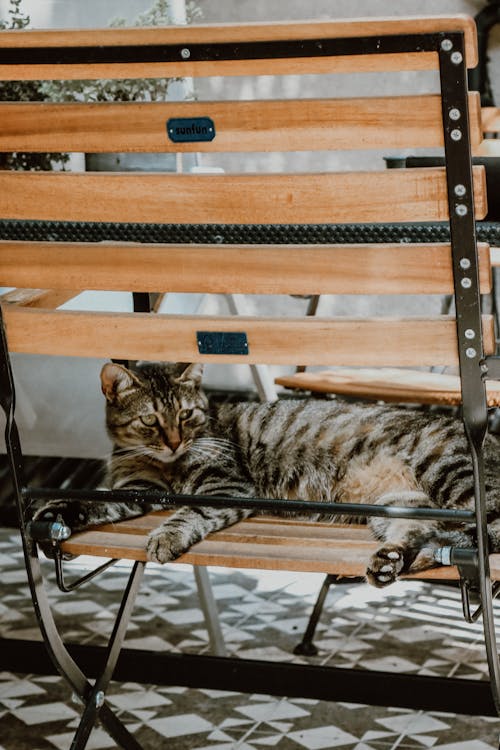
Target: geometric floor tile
x: 177, y: 726
x: 322, y: 737
x: 413, y: 724
x: 43, y: 713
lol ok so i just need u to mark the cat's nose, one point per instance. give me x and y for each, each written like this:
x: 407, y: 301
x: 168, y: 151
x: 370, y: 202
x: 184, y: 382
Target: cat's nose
x: 174, y: 441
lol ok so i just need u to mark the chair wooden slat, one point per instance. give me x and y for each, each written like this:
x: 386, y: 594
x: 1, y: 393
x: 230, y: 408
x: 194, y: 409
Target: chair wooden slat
x: 316, y: 341
x: 207, y: 34
x: 490, y: 119
x: 286, y: 125
x: 395, y: 195
x: 388, y: 384
x: 261, y: 543
x: 241, y: 269
x: 46, y: 298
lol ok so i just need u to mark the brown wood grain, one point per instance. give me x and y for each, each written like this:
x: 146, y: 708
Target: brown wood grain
x: 394, y: 195
x: 269, y: 543
x: 46, y: 298
x: 388, y: 384
x: 185, y: 35
x: 286, y: 125
x: 490, y: 119
x: 241, y: 269
x: 402, y: 342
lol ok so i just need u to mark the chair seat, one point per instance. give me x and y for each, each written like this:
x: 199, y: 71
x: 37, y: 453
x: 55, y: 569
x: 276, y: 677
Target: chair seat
x: 388, y: 384
x: 265, y: 543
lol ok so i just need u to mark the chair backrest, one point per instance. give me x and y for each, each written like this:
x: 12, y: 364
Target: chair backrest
x: 290, y: 204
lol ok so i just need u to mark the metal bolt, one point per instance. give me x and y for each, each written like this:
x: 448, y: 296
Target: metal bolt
x: 185, y: 53
x: 464, y: 263
x: 461, y: 209
x: 469, y: 334
x: 466, y: 283
x: 455, y: 114
x: 456, y: 58
x: 456, y: 135
x: 446, y: 45
x: 470, y: 353
x: 459, y: 190
x: 99, y: 698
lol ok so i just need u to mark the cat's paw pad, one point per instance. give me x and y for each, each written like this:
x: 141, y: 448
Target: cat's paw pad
x: 163, y: 545
x: 385, y: 565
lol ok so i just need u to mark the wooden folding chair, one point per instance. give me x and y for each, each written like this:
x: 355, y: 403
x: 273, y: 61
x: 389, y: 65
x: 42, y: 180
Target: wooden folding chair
x: 274, y: 222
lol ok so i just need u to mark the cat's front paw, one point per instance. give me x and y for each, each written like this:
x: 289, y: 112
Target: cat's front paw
x: 164, y: 545
x: 385, y: 565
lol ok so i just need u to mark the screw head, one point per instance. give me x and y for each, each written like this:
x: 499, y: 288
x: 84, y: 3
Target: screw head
x: 185, y: 53
x: 456, y: 58
x: 454, y: 114
x: 469, y: 334
x: 459, y: 190
x: 99, y: 699
x: 456, y: 135
x: 466, y: 282
x: 470, y: 352
x: 461, y: 209
x: 464, y: 263
x: 446, y: 45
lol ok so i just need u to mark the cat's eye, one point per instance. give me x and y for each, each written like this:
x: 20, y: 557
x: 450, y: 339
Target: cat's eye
x: 148, y: 419
x: 185, y: 414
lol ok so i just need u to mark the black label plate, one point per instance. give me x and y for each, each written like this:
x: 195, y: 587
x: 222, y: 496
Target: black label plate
x: 190, y: 129
x: 222, y: 342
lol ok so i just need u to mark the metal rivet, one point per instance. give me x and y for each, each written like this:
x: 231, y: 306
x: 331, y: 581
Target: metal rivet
x: 456, y: 58
x: 459, y: 190
x: 455, y: 114
x: 99, y: 698
x: 461, y: 209
x: 464, y: 263
x: 456, y: 135
x: 470, y: 352
x: 446, y: 45
x: 185, y: 53
x: 470, y: 334
x: 466, y: 283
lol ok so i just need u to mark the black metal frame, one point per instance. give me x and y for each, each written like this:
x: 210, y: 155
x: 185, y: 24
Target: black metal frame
x: 473, y: 366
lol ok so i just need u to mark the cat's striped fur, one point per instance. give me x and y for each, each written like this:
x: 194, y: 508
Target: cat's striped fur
x: 166, y: 436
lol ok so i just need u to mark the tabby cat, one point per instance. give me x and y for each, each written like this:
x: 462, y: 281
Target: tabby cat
x: 166, y: 436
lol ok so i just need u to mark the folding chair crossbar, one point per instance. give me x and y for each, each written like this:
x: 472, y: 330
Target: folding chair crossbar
x: 451, y: 50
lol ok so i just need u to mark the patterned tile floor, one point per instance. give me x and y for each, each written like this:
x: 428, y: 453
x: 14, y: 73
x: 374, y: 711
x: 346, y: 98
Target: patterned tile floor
x: 410, y: 628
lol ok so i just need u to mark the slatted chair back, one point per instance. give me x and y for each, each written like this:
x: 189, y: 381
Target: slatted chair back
x: 222, y: 199
x: 249, y: 204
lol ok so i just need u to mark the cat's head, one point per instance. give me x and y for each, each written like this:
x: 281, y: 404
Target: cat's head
x: 158, y: 407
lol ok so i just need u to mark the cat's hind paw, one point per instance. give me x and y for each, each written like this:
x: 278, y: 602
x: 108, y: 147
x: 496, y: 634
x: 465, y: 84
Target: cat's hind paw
x: 385, y: 565
x: 164, y: 545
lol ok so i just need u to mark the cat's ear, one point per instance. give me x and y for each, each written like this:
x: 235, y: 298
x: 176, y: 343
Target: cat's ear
x: 191, y: 373
x: 115, y: 380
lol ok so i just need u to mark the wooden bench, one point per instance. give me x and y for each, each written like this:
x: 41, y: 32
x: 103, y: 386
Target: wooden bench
x: 280, y: 206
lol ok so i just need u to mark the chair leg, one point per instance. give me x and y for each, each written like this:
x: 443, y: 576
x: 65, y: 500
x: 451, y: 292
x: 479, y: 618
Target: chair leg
x: 485, y: 587
x: 95, y: 700
x: 66, y: 665
x: 306, y: 647
x: 210, y: 611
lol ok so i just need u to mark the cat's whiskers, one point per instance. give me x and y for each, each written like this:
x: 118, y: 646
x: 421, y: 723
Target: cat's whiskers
x: 217, y: 441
